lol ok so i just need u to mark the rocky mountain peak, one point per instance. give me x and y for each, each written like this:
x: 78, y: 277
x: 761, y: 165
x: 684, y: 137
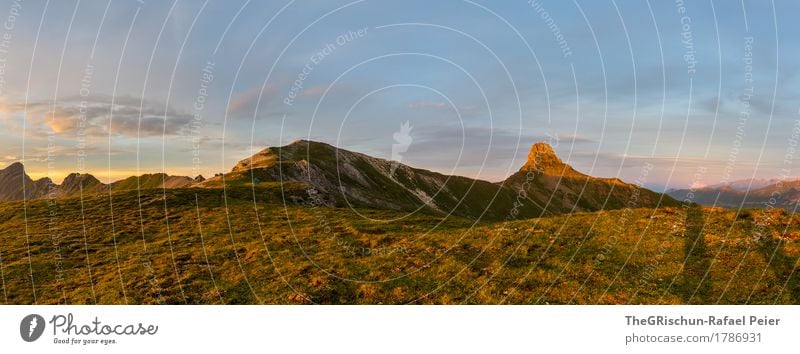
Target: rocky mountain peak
x: 15, y: 167
x: 293, y: 152
x: 543, y: 158
x: 542, y: 152
x: 71, y: 177
x: 75, y: 178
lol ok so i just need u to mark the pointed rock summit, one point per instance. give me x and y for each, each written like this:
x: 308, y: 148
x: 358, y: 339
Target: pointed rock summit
x: 543, y: 159
x: 559, y: 188
x: 15, y: 184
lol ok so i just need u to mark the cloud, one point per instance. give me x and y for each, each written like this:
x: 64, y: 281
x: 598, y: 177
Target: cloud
x: 8, y: 159
x: 502, y: 139
x: 103, y: 115
x: 434, y: 105
x: 270, y: 104
x: 60, y: 121
x: 711, y: 105
x: 315, y: 91
x: 426, y: 105
x: 243, y: 104
x: 440, y: 147
x: 43, y: 153
x: 767, y: 105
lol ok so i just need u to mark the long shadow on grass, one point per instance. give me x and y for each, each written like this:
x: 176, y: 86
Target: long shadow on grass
x: 693, y: 288
x: 782, y: 266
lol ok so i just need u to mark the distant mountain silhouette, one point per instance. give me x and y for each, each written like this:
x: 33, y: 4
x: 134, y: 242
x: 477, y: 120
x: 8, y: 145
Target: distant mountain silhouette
x: 745, y: 194
x: 15, y: 184
x: 749, y: 184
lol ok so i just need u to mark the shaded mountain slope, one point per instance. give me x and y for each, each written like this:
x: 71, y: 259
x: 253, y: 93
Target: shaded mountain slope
x: 152, y: 181
x: 15, y: 184
x: 76, y: 184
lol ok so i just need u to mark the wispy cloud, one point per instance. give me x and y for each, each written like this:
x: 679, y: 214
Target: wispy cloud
x: 102, y: 116
x: 436, y: 105
x: 439, y: 106
x: 243, y: 104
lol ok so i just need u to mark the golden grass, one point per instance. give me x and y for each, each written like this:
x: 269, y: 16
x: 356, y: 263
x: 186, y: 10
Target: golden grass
x: 150, y: 251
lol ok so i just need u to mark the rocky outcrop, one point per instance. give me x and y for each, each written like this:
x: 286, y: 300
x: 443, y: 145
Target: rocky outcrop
x: 558, y: 188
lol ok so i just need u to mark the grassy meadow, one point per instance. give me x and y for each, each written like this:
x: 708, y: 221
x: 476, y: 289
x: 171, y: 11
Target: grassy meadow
x: 246, y: 246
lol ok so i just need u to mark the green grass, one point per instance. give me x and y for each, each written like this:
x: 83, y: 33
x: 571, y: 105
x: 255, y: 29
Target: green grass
x: 259, y: 250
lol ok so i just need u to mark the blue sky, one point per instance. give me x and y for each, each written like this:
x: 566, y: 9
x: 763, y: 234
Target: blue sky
x: 111, y: 88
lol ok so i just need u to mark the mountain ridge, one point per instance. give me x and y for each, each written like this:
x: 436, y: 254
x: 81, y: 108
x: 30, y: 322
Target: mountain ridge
x: 779, y: 193
x: 317, y: 172
x: 347, y: 178
x: 15, y: 184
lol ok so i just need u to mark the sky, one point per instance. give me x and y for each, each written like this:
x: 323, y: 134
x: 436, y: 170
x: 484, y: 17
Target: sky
x: 667, y: 94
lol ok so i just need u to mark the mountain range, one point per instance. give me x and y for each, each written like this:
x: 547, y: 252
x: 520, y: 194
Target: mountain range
x: 315, y: 172
x: 321, y: 173
x: 283, y: 230
x: 748, y: 193
x: 544, y: 185
x: 15, y: 184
